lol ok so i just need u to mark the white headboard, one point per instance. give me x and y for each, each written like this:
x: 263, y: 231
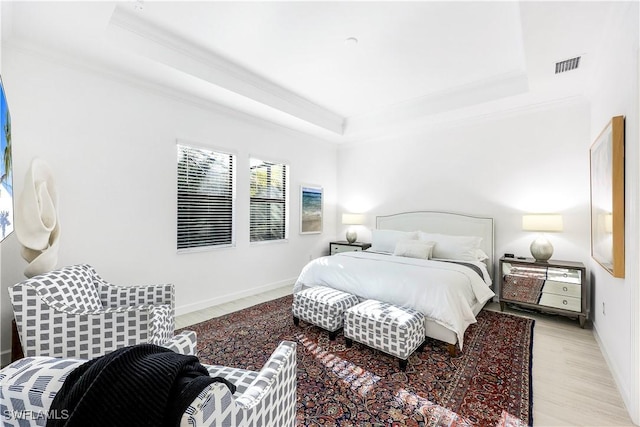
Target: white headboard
x: 444, y: 223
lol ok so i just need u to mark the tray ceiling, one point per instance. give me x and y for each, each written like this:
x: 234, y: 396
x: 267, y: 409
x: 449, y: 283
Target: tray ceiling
x: 296, y: 63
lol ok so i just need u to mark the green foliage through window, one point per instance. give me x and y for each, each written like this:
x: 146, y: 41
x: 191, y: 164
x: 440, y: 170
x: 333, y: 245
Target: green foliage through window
x: 206, y: 196
x: 268, y: 200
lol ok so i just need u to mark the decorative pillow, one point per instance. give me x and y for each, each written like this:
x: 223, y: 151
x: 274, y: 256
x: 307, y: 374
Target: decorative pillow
x: 386, y: 240
x: 73, y: 287
x: 453, y: 247
x: 414, y: 249
x: 481, y: 255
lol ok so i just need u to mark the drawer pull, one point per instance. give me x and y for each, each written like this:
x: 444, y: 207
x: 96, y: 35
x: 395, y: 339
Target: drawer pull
x: 565, y: 275
x: 564, y: 288
x: 564, y: 302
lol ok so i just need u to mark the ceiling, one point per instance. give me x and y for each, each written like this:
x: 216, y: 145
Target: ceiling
x: 293, y: 63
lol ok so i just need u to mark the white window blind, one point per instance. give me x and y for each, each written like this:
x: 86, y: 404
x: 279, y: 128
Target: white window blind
x: 268, y: 204
x: 206, y: 196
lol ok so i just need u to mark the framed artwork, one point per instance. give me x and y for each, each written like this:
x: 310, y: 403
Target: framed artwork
x: 310, y: 209
x: 6, y: 169
x: 607, y: 197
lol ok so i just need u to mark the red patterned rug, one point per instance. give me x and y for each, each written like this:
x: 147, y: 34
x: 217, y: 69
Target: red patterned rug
x: 487, y: 384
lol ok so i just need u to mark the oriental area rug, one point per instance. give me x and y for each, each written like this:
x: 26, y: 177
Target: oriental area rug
x: 486, y: 384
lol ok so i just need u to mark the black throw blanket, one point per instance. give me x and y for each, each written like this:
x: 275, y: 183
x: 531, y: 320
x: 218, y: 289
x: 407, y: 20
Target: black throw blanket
x: 142, y: 385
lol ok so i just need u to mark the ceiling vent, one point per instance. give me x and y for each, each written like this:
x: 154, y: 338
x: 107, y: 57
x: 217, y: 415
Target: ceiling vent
x: 567, y: 65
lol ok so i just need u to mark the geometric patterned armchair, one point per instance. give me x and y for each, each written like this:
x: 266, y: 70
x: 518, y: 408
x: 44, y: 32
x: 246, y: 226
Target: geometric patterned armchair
x: 72, y: 312
x: 265, y: 398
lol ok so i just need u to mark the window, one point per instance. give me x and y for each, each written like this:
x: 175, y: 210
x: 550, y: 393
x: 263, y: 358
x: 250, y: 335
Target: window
x: 206, y: 195
x: 268, y: 205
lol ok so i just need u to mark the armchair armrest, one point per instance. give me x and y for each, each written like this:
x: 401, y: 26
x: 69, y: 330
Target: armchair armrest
x: 162, y: 297
x: 186, y: 342
x: 28, y: 387
x: 268, y: 401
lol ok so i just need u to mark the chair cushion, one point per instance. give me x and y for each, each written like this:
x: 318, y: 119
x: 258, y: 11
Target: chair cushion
x: 73, y: 287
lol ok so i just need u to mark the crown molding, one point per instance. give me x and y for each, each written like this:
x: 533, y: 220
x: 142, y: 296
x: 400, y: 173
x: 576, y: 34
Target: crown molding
x: 479, y: 92
x: 134, y: 35
x: 525, y: 104
x: 99, y: 70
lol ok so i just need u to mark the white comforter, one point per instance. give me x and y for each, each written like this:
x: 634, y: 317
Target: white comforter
x: 445, y: 292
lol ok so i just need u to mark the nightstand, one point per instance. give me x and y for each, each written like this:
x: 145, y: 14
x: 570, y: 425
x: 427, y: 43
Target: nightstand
x: 344, y: 246
x: 557, y: 287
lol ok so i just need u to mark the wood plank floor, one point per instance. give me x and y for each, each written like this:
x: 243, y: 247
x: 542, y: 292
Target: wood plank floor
x: 572, y: 385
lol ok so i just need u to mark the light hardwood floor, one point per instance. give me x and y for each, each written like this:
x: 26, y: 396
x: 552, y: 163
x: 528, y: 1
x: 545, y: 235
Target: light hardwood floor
x: 572, y: 385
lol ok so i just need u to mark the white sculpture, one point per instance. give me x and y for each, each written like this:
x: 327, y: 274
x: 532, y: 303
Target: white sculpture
x: 36, y: 219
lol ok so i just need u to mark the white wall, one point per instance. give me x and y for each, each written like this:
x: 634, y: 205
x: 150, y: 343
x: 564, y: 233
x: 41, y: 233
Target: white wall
x: 615, y: 92
x: 112, y: 148
x: 533, y: 161
x: 527, y: 162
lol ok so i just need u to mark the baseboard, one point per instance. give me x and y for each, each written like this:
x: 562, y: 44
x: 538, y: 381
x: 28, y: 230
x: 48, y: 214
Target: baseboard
x: 200, y: 305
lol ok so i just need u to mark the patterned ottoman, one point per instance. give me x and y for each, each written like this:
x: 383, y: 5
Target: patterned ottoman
x: 398, y: 331
x: 323, y: 307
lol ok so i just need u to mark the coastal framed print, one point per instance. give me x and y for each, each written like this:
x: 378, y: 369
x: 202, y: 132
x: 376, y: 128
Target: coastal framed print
x: 607, y: 197
x: 310, y: 209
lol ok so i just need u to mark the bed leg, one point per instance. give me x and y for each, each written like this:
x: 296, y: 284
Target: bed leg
x: 348, y: 342
x: 452, y: 350
x: 403, y: 365
x: 333, y: 335
x: 296, y: 321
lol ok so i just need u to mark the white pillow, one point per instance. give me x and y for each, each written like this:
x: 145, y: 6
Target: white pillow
x: 386, y: 240
x: 453, y: 247
x: 414, y: 249
x: 481, y: 255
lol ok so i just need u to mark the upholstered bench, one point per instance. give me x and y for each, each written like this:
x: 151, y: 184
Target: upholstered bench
x: 323, y: 307
x: 397, y: 331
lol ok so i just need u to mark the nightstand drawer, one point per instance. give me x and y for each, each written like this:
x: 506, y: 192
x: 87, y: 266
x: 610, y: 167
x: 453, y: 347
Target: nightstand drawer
x: 566, y: 275
x: 524, y: 271
x: 563, y: 289
x: 559, y: 301
x: 344, y: 248
x: 522, y: 288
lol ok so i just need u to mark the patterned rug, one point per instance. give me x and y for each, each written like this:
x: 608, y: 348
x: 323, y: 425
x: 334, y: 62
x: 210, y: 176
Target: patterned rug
x: 487, y: 384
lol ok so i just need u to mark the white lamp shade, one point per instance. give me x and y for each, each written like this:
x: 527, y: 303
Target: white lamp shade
x: 352, y: 219
x: 542, y: 222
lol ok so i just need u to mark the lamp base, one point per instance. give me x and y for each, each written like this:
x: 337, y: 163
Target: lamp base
x: 351, y: 236
x: 541, y: 249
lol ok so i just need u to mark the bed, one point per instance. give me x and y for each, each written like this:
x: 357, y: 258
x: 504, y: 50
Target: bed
x: 450, y: 287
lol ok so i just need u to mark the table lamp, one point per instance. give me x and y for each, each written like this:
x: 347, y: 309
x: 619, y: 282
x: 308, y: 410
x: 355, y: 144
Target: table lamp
x: 541, y: 248
x: 352, y: 219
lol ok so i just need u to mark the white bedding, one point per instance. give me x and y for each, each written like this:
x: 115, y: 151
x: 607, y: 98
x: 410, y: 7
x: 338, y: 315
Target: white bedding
x: 445, y: 292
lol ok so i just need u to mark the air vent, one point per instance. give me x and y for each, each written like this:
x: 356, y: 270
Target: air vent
x: 567, y: 65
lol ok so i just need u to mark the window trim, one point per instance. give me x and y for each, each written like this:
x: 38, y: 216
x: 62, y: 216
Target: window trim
x: 234, y: 196
x: 287, y: 198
